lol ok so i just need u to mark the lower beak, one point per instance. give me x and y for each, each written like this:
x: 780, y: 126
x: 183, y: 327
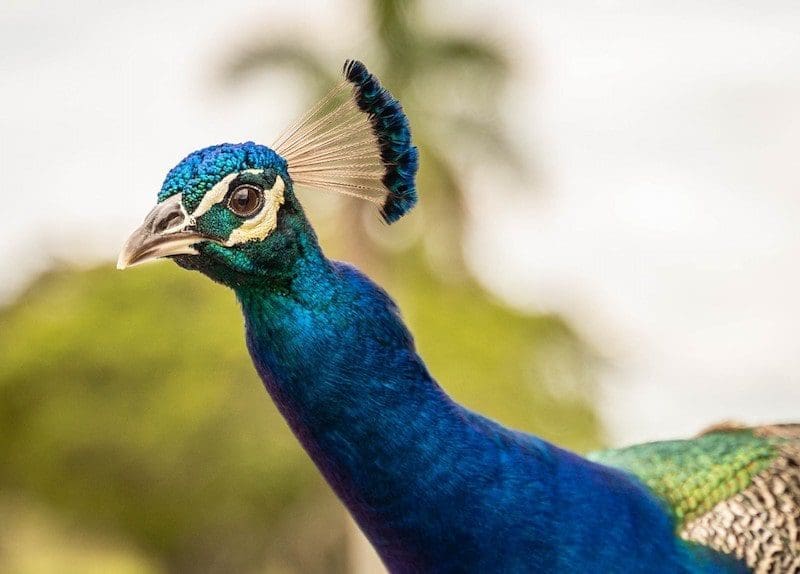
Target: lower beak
x: 167, y: 230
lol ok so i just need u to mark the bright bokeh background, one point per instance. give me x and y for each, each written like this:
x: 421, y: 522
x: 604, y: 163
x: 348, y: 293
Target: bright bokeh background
x: 639, y: 269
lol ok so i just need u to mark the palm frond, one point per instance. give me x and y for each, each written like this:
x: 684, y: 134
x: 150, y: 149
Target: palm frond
x: 260, y: 56
x: 456, y: 51
x: 490, y: 135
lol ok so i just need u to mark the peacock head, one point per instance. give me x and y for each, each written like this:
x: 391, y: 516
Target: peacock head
x: 230, y: 210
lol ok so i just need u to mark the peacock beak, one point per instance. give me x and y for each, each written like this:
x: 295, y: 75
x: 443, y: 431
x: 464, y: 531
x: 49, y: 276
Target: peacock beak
x: 167, y: 230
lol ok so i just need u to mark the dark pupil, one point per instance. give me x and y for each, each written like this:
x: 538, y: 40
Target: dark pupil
x: 245, y: 200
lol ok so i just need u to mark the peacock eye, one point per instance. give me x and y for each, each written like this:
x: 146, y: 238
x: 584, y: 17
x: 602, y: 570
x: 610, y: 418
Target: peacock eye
x: 246, y: 200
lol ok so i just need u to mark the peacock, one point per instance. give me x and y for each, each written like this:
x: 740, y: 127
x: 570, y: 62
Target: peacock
x: 436, y: 487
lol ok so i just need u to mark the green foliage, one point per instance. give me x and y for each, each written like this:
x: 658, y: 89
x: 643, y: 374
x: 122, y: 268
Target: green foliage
x: 528, y: 371
x: 128, y: 405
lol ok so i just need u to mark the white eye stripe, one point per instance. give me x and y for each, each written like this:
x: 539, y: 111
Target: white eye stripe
x: 217, y: 193
x: 265, y: 221
x: 256, y: 227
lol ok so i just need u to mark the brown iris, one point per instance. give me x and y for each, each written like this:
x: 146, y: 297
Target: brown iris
x: 246, y: 200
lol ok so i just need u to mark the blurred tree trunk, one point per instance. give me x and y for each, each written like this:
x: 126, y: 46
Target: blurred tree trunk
x: 362, y: 556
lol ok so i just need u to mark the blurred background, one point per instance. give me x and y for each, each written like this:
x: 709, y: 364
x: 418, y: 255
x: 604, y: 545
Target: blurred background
x: 606, y: 249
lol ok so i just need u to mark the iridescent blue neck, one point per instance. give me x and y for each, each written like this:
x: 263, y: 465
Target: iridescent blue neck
x: 435, y: 487
x: 342, y: 368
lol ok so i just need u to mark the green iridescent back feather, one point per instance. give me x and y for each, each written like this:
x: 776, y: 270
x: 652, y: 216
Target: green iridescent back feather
x: 735, y: 490
x: 692, y: 476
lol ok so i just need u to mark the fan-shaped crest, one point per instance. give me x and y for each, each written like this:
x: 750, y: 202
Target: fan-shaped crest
x: 355, y: 141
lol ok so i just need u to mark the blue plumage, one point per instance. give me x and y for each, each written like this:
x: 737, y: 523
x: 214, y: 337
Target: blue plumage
x: 435, y: 487
x: 201, y: 169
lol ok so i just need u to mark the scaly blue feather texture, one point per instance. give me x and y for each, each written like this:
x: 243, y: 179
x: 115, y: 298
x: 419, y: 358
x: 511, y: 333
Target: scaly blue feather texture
x: 435, y: 487
x: 201, y: 169
x: 390, y: 125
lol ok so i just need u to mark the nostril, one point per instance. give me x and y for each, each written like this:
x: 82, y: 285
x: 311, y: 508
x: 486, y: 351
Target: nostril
x: 170, y: 220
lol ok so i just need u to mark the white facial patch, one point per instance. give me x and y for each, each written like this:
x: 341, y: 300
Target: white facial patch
x: 256, y: 227
x: 217, y: 193
x: 265, y: 221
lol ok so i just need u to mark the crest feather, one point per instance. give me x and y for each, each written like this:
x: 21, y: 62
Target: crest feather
x: 355, y: 141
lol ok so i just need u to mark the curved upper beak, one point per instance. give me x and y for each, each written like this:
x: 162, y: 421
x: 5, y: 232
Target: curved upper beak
x: 167, y: 230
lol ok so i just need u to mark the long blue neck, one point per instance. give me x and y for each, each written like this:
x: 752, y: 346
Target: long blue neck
x: 435, y: 487
x: 342, y: 368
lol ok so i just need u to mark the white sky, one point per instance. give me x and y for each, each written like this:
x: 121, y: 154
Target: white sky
x: 667, y: 225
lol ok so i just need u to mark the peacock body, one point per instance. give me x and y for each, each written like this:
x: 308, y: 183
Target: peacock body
x: 434, y: 486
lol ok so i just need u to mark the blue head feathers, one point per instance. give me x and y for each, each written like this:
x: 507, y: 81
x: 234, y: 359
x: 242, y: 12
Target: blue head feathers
x: 355, y: 141
x: 235, y: 204
x: 203, y: 169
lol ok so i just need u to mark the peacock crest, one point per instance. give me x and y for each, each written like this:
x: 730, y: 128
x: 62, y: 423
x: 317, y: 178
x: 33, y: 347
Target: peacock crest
x: 355, y: 141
